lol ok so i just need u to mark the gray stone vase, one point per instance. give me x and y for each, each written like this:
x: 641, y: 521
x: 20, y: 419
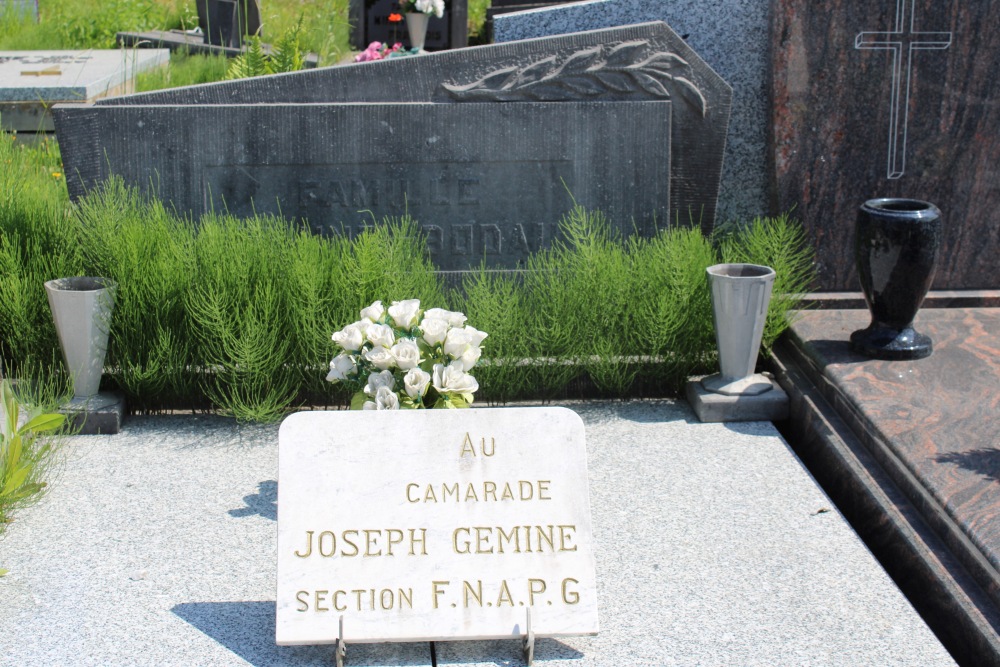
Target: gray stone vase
x: 416, y: 26
x: 740, y: 297
x: 81, y: 308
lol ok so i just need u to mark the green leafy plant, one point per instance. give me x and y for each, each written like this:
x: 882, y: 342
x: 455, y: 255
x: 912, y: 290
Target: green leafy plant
x: 286, y: 56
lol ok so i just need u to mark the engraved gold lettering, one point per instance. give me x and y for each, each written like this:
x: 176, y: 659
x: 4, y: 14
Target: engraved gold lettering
x: 568, y: 596
x: 336, y: 601
x: 319, y: 597
x: 483, y: 538
x: 543, y: 489
x: 309, y: 542
x: 493, y: 447
x: 507, y: 493
x: 543, y: 537
x: 489, y: 489
x: 327, y: 536
x: 409, y: 497
x: 450, y: 491
x: 407, y: 597
x: 535, y: 587
x: 347, y: 541
x: 304, y: 603
x: 358, y: 592
x: 565, y: 535
x: 467, y: 448
x: 414, y: 541
x: 382, y: 599
x: 370, y: 542
x: 526, y: 489
x: 438, y: 590
x: 429, y: 497
x: 465, y: 544
x: 513, y: 536
x: 474, y: 593
x: 470, y: 493
x: 504, y: 597
x: 392, y: 533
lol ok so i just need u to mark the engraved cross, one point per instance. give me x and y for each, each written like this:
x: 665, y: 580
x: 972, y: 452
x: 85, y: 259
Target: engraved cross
x: 902, y: 41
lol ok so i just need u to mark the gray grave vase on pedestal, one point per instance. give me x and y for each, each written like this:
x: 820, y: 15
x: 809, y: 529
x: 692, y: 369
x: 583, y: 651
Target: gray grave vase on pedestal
x: 81, y: 308
x: 416, y: 26
x: 740, y: 296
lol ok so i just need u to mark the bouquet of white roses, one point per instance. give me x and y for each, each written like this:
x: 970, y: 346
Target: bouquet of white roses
x: 403, y: 357
x: 435, y: 7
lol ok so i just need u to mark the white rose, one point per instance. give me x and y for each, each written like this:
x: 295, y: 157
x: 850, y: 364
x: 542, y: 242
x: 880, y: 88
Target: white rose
x: 453, y: 318
x: 369, y: 405
x: 469, y: 358
x: 452, y: 379
x: 341, y: 366
x: 373, y: 313
x: 350, y: 338
x: 381, y: 335
x: 434, y: 330
x: 406, y: 353
x: 458, y: 341
x: 415, y: 382
x: 404, y: 313
x: 386, y: 399
x: 378, y: 380
x: 381, y: 358
x: 438, y: 8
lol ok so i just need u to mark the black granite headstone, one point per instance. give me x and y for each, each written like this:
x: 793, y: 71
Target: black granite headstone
x: 633, y: 63
x: 487, y: 182
x: 225, y: 22
x: 890, y: 98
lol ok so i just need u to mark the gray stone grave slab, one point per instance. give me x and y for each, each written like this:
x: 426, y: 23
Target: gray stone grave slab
x: 890, y: 98
x: 489, y: 182
x: 714, y: 546
x: 32, y: 81
x: 633, y: 63
x: 731, y: 37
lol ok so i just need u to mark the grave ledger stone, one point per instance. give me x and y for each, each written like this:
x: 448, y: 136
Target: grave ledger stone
x: 890, y: 98
x: 32, y: 81
x: 732, y: 39
x: 631, y: 64
x: 453, y: 524
x: 488, y: 182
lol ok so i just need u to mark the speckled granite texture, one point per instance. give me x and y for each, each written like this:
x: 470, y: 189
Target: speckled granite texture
x: 916, y: 461
x: 732, y: 37
x: 156, y: 546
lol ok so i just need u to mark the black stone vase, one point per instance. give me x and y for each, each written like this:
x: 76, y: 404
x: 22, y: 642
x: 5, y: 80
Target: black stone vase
x: 896, y: 244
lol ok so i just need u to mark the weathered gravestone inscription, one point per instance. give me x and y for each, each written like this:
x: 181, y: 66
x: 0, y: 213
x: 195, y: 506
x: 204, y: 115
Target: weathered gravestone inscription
x: 372, y: 21
x: 732, y: 38
x: 633, y: 65
x: 488, y: 182
x: 32, y: 81
x: 890, y: 98
x: 448, y: 524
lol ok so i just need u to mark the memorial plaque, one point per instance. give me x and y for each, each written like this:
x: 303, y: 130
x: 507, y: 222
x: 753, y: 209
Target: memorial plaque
x: 632, y: 63
x: 487, y: 182
x: 438, y: 524
x: 890, y: 98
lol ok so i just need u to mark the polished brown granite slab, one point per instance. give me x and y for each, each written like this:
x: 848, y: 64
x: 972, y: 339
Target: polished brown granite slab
x: 912, y: 449
x: 889, y: 98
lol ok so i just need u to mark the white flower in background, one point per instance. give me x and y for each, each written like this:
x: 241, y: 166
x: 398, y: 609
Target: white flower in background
x: 373, y: 313
x: 438, y: 8
x: 386, y: 399
x: 350, y: 338
x: 453, y: 379
x: 435, y: 7
x: 369, y: 405
x: 404, y: 313
x: 469, y: 358
x: 434, y: 330
x: 378, y: 380
x: 459, y: 341
x: 381, y: 335
x: 451, y: 317
x: 341, y: 366
x: 406, y: 353
x: 415, y: 382
x: 381, y: 358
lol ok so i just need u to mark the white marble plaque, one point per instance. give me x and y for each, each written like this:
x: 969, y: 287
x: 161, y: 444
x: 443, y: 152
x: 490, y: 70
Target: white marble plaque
x: 72, y: 76
x: 433, y: 524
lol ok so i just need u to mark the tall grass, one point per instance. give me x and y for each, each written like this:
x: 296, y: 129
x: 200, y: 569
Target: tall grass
x: 236, y: 315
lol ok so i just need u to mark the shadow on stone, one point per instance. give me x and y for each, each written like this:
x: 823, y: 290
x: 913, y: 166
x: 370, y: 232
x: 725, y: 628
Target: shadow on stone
x: 247, y: 629
x: 263, y: 503
x: 985, y: 462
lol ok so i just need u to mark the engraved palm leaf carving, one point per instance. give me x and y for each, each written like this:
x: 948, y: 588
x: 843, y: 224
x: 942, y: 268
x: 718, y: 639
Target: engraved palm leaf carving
x: 626, y: 68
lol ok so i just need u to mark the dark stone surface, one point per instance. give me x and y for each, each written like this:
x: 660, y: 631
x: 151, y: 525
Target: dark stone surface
x: 913, y: 450
x: 225, y: 22
x: 488, y: 182
x: 370, y: 23
x: 97, y: 415
x: 699, y: 114
x: 848, y: 127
